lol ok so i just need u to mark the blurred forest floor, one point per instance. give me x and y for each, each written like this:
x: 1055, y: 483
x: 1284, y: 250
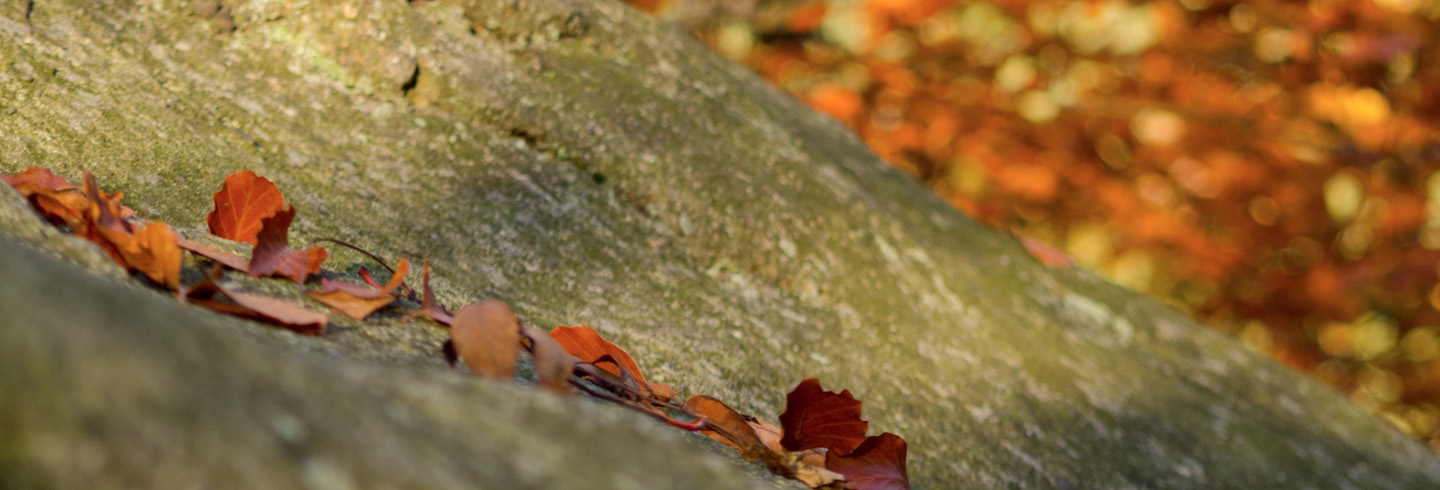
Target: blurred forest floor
x: 1272, y: 167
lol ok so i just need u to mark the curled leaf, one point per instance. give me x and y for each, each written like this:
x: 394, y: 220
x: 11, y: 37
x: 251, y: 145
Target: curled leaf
x: 769, y: 433
x: 274, y: 257
x: 359, y: 302
x: 428, y: 306
x: 553, y: 366
x: 878, y: 463
x: 587, y: 345
x: 37, y: 179
x: 728, y: 426
x: 486, y: 336
x: 152, y: 250
x: 815, y: 417
x: 243, y: 201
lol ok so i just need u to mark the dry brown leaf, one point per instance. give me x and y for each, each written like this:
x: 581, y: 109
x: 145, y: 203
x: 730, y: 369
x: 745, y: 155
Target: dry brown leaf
x: 255, y: 307
x: 553, y: 366
x: 352, y: 306
x: 486, y: 336
x: 726, y: 425
x: 219, y: 256
x: 769, y: 433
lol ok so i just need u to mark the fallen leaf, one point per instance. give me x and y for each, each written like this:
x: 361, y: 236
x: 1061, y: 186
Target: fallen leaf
x: 256, y: 307
x: 359, y: 302
x: 487, y: 338
x: 819, y: 478
x: 878, y: 463
x: 428, y: 306
x: 587, y: 345
x: 101, y: 211
x: 153, y: 250
x: 57, y: 199
x: 149, y: 248
x: 815, y: 418
x: 726, y: 425
x: 769, y: 433
x: 274, y: 257
x: 352, y: 306
x: 36, y: 179
x: 243, y: 201
x: 220, y: 256
x: 553, y: 366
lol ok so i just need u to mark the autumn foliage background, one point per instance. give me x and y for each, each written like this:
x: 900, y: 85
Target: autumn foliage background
x: 1270, y: 166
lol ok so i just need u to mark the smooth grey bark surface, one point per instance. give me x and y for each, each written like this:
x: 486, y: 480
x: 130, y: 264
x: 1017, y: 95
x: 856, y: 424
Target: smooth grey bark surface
x: 589, y: 166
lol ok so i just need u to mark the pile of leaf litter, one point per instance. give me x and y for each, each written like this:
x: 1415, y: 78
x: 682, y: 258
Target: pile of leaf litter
x: 821, y: 440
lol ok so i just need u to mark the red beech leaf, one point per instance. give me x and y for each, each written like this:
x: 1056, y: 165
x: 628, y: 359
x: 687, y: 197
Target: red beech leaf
x: 428, y: 306
x: 553, y: 366
x: 587, y: 345
x: 219, y: 256
x: 876, y: 464
x: 487, y: 338
x: 817, y: 418
x: 241, y: 203
x: 274, y: 257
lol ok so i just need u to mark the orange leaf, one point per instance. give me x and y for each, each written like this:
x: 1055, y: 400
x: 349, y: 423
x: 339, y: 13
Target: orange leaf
x: 587, y: 345
x: 553, y: 366
x: 817, y: 418
x: 486, y: 336
x: 728, y: 426
x: 876, y: 464
x: 274, y: 257
x: 359, y: 302
x: 152, y: 250
x: 353, y: 306
x: 37, y: 179
x: 242, y: 202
